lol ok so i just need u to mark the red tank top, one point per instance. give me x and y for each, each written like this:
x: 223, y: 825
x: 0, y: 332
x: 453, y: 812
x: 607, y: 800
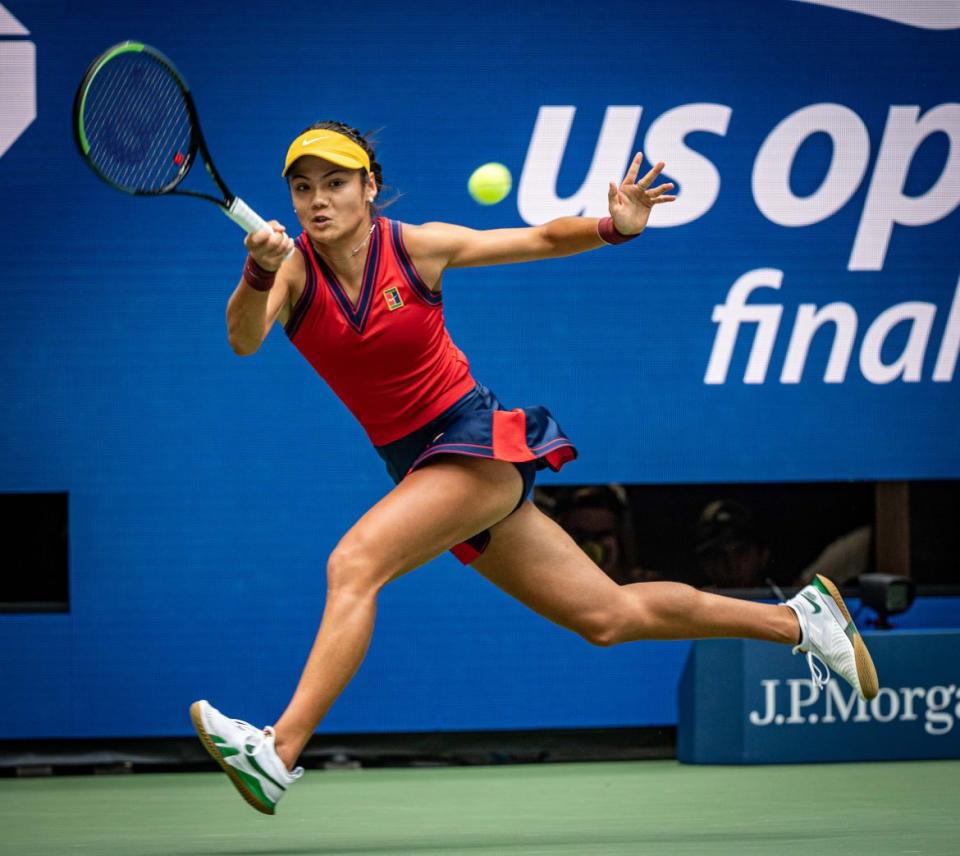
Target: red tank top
x: 389, y: 358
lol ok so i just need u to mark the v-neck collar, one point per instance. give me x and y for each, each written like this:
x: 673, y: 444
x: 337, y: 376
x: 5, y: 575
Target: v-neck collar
x: 356, y: 315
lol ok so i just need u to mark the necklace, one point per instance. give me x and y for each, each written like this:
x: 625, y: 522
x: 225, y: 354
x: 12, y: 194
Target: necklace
x: 363, y: 243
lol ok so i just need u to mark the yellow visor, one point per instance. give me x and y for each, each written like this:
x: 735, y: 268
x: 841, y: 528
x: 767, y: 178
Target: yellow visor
x: 329, y: 145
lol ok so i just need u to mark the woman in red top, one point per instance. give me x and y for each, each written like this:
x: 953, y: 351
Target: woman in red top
x: 360, y: 298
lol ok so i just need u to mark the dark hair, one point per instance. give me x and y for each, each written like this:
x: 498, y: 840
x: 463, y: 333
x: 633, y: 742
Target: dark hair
x: 611, y: 497
x: 723, y: 522
x: 366, y: 145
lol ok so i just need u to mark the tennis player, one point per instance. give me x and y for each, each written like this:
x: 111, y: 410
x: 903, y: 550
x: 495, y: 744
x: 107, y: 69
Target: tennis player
x: 361, y: 299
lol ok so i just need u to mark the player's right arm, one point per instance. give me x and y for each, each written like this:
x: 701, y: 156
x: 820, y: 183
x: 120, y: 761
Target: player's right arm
x: 251, y: 313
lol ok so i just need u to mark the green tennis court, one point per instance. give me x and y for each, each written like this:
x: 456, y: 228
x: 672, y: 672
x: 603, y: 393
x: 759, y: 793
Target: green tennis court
x: 657, y: 807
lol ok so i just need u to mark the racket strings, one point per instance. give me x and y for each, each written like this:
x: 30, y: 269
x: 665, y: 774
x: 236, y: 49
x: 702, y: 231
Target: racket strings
x: 137, y: 123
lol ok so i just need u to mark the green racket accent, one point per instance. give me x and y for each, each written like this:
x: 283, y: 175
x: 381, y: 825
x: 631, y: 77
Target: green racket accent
x: 126, y: 47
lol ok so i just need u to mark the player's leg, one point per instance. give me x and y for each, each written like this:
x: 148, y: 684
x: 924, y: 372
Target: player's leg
x: 534, y: 560
x: 431, y: 510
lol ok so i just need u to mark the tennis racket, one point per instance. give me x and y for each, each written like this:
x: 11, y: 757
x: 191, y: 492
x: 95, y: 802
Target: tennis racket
x: 135, y: 124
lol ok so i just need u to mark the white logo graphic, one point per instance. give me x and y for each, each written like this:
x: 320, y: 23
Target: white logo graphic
x: 536, y: 194
x: 938, y: 707
x: 887, y: 203
x: 843, y: 319
x: 18, y: 82
x: 930, y: 15
x: 315, y: 140
x: 537, y: 198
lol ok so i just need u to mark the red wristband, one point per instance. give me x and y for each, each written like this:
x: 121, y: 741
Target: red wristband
x: 608, y: 232
x: 256, y: 277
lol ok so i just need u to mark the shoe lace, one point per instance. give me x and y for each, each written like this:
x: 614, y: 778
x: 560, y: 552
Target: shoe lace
x: 818, y: 677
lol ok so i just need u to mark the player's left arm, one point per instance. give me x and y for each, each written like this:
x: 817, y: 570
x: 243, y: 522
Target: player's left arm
x: 437, y: 246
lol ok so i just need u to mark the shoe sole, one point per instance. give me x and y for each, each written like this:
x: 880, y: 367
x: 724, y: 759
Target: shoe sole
x: 866, y: 671
x: 211, y: 748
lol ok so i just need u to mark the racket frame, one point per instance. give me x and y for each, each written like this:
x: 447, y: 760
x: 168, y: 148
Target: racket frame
x: 233, y: 206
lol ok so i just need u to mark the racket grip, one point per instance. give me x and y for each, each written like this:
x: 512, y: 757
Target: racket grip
x: 247, y: 219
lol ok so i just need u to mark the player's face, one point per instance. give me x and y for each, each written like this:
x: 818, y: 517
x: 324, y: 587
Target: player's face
x: 331, y: 202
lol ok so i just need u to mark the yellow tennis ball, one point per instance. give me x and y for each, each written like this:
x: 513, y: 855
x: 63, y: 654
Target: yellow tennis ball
x: 490, y: 183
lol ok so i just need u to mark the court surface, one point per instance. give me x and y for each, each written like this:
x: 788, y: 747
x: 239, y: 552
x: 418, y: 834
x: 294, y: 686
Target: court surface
x: 656, y: 807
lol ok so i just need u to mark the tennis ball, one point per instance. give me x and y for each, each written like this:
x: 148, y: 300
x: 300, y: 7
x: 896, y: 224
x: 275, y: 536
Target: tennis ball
x: 490, y: 183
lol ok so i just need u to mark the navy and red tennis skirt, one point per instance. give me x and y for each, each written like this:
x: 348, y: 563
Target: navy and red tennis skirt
x: 478, y: 426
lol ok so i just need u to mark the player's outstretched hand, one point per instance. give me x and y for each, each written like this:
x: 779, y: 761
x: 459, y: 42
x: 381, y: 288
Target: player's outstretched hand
x: 632, y: 202
x: 269, y: 249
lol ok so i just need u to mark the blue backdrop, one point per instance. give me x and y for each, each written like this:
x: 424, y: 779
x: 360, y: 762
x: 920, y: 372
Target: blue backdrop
x: 794, y: 316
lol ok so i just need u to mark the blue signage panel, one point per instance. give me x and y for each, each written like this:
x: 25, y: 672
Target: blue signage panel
x: 737, y: 704
x: 792, y: 316
x: 800, y: 296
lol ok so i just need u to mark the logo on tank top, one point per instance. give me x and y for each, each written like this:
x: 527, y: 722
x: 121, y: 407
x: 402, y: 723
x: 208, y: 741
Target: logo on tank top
x: 392, y: 296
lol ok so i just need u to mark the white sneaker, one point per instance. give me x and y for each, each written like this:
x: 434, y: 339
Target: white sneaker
x: 828, y: 633
x: 246, y: 754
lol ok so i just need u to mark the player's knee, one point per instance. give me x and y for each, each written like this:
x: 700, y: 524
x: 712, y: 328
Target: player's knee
x: 354, y: 568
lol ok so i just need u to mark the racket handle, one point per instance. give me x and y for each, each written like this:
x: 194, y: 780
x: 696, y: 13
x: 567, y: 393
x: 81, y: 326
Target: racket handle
x: 247, y: 219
